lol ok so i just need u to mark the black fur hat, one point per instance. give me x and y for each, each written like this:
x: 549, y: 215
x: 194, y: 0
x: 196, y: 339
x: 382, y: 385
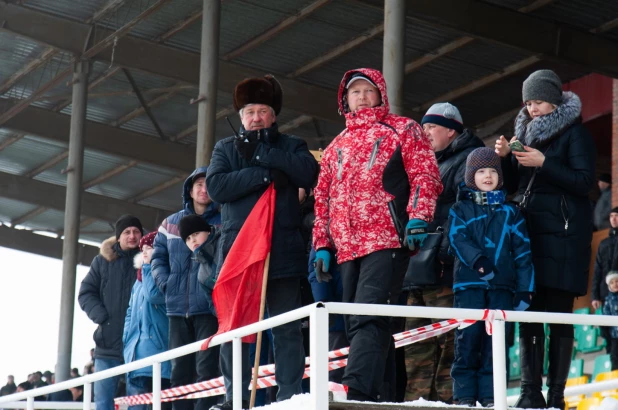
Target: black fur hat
x: 265, y: 90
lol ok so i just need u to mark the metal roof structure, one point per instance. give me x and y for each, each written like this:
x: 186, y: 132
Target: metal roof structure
x: 473, y: 53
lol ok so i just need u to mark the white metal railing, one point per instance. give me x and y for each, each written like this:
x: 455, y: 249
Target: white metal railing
x: 318, y: 326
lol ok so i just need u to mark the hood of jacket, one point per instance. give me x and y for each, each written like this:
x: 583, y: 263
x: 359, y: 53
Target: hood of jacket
x: 110, y: 250
x: 187, y: 201
x: 364, y: 115
x: 541, y: 130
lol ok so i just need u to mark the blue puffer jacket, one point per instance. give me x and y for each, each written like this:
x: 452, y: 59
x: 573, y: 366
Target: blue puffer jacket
x: 146, y: 327
x: 610, y: 307
x: 496, y: 231
x: 173, y: 267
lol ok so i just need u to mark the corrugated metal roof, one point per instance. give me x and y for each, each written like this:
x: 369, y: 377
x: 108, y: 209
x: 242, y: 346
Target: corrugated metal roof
x: 170, y: 198
x: 585, y: 14
x: 79, y: 10
x: 11, y: 209
x: 511, y: 4
x: 15, y: 52
x: 463, y: 66
x: 131, y: 182
x: 27, y: 154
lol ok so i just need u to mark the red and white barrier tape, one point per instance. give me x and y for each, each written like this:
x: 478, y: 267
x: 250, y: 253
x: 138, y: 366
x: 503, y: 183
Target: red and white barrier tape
x: 489, y: 315
x: 266, y: 373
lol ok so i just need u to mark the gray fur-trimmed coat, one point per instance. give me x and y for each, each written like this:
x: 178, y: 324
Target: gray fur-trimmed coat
x: 559, y: 214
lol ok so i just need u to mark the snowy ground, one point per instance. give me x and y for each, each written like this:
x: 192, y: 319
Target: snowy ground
x: 303, y: 402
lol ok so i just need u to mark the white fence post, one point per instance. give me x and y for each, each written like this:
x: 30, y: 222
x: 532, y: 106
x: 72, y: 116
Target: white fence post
x: 498, y: 345
x: 318, y: 339
x: 30, y: 403
x: 156, y: 386
x: 237, y: 374
x: 87, y: 395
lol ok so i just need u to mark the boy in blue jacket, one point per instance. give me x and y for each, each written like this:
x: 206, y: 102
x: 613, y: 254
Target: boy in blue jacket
x: 494, y: 270
x: 610, y: 307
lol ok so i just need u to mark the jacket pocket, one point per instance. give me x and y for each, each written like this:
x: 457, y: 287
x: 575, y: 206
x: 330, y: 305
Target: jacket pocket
x: 97, y: 336
x: 155, y: 338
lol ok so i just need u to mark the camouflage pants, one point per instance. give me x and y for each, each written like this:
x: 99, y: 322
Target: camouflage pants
x: 428, y: 363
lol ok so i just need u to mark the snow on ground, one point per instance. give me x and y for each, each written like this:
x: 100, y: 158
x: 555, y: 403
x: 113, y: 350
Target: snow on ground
x: 303, y: 402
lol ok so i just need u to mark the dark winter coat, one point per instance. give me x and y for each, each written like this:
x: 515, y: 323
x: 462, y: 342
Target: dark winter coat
x: 496, y: 231
x: 559, y: 214
x: 238, y: 184
x: 206, y: 255
x: 606, y: 261
x: 104, y: 295
x: 602, y: 210
x: 8, y: 389
x: 610, y: 307
x: 452, y: 166
x: 173, y: 267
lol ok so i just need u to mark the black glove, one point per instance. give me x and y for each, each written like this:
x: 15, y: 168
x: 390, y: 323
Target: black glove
x: 521, y: 301
x: 279, y: 178
x: 485, y: 268
x: 246, y: 149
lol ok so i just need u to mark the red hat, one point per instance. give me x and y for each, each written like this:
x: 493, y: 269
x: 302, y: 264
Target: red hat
x: 147, y: 240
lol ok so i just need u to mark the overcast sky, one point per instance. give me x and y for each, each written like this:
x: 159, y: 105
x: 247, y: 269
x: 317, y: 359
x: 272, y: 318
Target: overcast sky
x: 30, y: 316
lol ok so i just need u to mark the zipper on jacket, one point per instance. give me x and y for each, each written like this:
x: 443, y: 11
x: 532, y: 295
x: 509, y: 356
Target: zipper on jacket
x: 416, y: 194
x: 339, y: 164
x: 374, y: 152
x: 565, y: 216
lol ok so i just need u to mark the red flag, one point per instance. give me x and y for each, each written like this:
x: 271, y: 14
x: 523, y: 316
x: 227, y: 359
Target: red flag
x: 237, y: 293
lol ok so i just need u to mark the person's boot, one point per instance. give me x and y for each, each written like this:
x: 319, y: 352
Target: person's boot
x: 531, y: 359
x: 560, y: 351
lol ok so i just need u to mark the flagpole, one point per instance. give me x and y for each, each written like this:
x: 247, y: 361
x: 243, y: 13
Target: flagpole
x: 258, y: 344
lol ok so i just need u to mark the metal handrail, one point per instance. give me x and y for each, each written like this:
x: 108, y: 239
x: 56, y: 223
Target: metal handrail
x: 318, y: 314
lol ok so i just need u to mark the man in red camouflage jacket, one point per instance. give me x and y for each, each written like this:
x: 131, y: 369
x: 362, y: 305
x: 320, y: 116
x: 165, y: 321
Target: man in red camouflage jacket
x: 377, y: 190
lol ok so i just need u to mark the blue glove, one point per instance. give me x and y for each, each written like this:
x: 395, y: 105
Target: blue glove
x: 485, y: 268
x: 521, y: 301
x: 322, y: 265
x: 416, y: 232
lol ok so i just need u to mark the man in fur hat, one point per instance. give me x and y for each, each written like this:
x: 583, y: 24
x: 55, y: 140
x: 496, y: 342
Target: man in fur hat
x: 241, y: 169
x: 104, y: 295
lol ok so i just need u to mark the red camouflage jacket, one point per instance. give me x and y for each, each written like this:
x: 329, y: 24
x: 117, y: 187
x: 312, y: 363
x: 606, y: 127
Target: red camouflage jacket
x: 376, y: 175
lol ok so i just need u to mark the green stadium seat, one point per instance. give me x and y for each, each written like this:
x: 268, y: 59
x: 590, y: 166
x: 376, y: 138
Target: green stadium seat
x: 587, y: 340
x: 602, y: 364
x: 577, y: 368
x: 514, y: 363
x: 513, y: 391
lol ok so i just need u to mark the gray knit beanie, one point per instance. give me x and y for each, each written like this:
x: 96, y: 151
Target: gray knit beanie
x: 543, y: 85
x: 444, y: 114
x: 483, y: 157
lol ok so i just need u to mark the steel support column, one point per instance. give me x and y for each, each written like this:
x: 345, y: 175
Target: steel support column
x: 209, y: 67
x: 71, y: 219
x: 393, y: 57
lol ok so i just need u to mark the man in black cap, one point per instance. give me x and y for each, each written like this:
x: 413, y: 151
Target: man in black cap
x: 241, y: 169
x: 104, y: 295
x: 604, y: 204
x: 175, y: 272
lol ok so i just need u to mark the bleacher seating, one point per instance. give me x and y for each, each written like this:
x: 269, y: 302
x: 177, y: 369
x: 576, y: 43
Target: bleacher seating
x: 573, y: 401
x: 602, y: 364
x: 589, y: 404
x: 603, y: 377
x: 577, y: 368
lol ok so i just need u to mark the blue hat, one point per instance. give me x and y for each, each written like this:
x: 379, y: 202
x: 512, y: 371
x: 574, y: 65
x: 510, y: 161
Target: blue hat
x: 446, y: 115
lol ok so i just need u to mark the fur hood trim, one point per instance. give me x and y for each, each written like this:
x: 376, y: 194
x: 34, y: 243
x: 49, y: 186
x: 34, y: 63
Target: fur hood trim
x: 138, y: 260
x: 544, y: 129
x: 107, y: 249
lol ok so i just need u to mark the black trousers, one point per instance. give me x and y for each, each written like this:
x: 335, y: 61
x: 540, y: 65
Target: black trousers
x: 204, y: 363
x: 549, y: 300
x: 614, y: 354
x: 376, y: 278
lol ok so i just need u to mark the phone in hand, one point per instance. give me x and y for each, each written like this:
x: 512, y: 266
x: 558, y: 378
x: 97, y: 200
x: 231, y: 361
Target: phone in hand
x: 517, y: 146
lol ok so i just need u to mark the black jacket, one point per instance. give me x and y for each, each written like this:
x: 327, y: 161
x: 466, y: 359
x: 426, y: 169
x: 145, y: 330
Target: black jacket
x: 104, y: 295
x: 238, y: 184
x: 559, y: 214
x: 607, y: 260
x: 452, y: 165
x: 8, y: 389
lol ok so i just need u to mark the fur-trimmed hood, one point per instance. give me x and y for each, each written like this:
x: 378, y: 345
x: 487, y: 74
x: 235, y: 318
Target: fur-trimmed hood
x: 107, y: 249
x: 138, y: 260
x: 542, y: 130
